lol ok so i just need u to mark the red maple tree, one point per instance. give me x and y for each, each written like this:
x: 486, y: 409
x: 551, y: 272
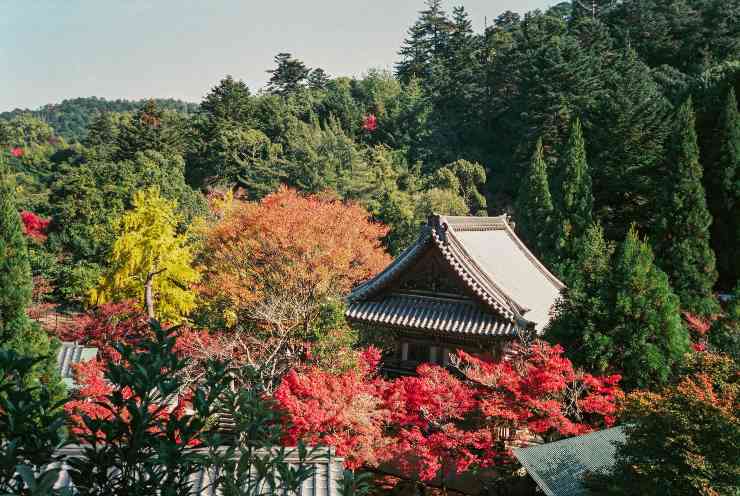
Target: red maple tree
x: 437, y: 423
x: 370, y: 123
x: 103, y: 326
x: 35, y: 226
x: 17, y: 151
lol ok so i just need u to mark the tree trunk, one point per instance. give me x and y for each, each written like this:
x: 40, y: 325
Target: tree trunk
x: 149, y: 293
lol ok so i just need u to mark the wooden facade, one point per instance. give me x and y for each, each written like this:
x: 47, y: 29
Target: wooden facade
x: 466, y: 283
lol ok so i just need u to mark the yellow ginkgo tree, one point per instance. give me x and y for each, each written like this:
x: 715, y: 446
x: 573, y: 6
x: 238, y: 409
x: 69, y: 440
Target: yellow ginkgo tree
x: 150, y: 261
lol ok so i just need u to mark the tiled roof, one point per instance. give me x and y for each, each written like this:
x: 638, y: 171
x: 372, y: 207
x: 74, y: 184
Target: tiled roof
x: 490, y: 260
x: 558, y: 468
x: 69, y: 354
x: 325, y: 481
x: 431, y: 314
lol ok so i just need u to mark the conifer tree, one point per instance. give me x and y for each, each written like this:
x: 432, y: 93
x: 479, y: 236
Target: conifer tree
x: 725, y: 182
x: 621, y: 318
x: 648, y: 338
x: 682, y: 237
x: 576, y: 201
x: 17, y: 331
x: 584, y: 307
x: 289, y: 75
x: 534, y: 208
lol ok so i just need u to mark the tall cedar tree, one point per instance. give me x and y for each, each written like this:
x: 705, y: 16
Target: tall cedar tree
x: 624, y: 318
x: 534, y: 208
x: 576, y: 201
x: 725, y: 182
x: 682, y: 237
x: 17, y: 331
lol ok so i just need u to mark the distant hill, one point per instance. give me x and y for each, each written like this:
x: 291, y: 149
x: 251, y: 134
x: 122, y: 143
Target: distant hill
x: 71, y: 117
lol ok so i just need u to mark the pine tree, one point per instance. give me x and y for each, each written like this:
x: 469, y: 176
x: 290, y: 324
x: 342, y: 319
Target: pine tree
x: 17, y: 331
x: 724, y: 181
x: 576, y: 201
x: 534, y: 208
x: 426, y: 41
x: 621, y: 318
x: 289, y: 76
x: 682, y: 235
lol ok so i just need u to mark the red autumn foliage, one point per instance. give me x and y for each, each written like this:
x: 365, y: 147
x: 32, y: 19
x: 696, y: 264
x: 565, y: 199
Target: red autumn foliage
x: 92, y: 399
x: 436, y: 423
x: 370, y: 123
x: 34, y: 226
x: 103, y: 326
x: 17, y: 151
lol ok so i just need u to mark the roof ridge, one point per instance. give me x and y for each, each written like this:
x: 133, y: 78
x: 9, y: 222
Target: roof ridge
x: 527, y: 253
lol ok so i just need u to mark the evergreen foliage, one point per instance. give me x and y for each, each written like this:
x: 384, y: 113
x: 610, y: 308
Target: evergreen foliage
x: 682, y: 230
x: 17, y: 331
x: 621, y: 317
x: 576, y: 201
x: 289, y: 75
x: 724, y: 186
x: 534, y: 209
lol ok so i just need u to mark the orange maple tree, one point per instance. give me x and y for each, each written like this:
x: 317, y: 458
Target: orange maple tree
x: 274, y: 262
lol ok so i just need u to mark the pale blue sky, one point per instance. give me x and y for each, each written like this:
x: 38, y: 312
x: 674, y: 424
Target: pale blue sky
x: 56, y: 49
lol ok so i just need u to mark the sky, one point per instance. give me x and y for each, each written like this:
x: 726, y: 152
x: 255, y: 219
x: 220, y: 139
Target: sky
x: 51, y: 50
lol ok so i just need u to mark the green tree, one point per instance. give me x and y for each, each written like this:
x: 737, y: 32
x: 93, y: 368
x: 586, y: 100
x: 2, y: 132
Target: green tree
x: 465, y: 178
x: 150, y: 128
x: 149, y: 261
x: 684, y: 440
x: 534, y: 208
x: 318, y: 79
x: 289, y: 75
x: 576, y: 201
x: 426, y: 41
x: 621, y: 318
x: 17, y: 331
x: 682, y: 230
x: 724, y: 183
x: 31, y: 430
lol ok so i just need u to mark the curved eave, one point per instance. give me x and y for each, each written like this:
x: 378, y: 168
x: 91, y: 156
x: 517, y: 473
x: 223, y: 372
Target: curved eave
x: 390, y: 273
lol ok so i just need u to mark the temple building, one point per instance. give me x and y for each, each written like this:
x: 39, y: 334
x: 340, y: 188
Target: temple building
x: 466, y: 283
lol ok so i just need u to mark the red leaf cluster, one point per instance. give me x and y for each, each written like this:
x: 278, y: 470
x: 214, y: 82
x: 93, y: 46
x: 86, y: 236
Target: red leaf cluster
x: 34, y: 226
x: 93, y: 400
x: 17, y: 151
x: 370, y: 123
x: 103, y: 326
x: 439, y: 424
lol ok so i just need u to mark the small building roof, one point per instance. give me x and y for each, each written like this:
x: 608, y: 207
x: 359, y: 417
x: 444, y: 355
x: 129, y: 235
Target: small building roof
x: 558, y: 468
x: 325, y: 480
x: 69, y: 354
x: 503, y: 277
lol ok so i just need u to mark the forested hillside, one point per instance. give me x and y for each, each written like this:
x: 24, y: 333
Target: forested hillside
x: 609, y: 131
x: 71, y: 118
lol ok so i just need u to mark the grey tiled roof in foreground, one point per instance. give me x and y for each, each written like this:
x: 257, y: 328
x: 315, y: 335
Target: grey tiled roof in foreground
x: 509, y: 286
x: 69, y: 354
x: 558, y: 468
x: 325, y: 481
